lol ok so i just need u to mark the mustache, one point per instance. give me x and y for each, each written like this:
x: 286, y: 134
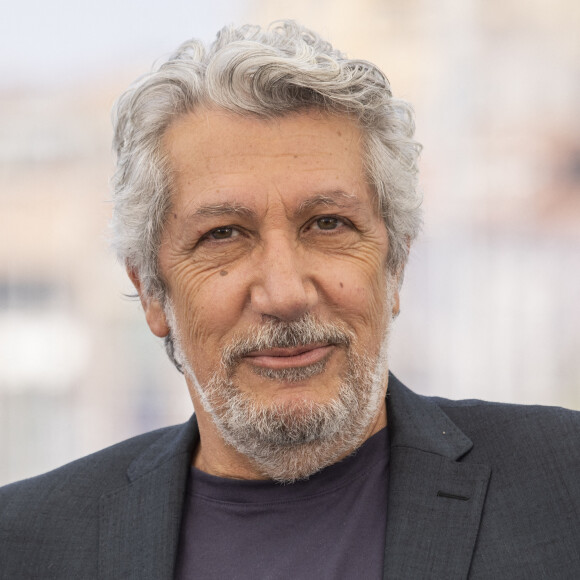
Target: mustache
x: 280, y: 334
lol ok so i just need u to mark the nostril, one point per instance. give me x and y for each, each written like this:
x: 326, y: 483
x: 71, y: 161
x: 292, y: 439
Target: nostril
x: 282, y: 299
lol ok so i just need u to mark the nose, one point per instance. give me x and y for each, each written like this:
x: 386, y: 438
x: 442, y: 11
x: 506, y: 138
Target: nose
x: 283, y: 287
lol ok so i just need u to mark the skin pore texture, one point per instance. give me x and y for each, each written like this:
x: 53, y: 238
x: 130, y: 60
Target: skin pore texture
x: 279, y: 299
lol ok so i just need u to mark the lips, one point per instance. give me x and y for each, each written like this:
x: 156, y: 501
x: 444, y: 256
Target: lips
x: 283, y: 358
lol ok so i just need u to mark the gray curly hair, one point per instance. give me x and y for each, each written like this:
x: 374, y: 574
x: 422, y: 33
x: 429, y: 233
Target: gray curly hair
x: 264, y: 73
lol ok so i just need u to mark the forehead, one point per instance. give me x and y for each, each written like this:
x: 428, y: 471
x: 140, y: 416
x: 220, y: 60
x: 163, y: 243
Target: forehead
x: 216, y: 154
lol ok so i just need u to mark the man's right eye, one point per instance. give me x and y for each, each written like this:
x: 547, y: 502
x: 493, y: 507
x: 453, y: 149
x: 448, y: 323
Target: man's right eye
x: 222, y: 233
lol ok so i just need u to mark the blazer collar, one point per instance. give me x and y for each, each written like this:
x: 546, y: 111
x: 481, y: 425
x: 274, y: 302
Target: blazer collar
x: 140, y: 523
x: 418, y: 422
x: 435, y: 496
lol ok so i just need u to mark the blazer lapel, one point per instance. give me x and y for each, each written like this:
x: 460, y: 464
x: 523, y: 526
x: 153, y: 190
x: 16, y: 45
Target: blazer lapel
x: 435, y: 501
x: 140, y: 523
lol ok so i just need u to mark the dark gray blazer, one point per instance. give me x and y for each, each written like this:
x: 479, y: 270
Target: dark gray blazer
x: 476, y: 490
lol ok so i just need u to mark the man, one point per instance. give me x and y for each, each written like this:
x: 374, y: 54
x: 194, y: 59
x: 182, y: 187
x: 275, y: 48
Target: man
x: 265, y: 204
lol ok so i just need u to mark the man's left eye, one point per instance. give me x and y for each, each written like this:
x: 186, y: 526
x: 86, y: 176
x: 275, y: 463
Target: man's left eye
x: 328, y: 223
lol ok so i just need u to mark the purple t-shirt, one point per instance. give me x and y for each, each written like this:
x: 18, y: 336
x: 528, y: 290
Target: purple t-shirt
x: 329, y: 526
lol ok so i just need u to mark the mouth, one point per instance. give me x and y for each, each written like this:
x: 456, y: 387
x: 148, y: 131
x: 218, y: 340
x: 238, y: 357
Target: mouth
x: 285, y: 358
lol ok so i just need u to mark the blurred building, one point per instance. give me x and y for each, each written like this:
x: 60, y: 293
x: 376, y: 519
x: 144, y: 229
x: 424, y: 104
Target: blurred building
x: 77, y: 370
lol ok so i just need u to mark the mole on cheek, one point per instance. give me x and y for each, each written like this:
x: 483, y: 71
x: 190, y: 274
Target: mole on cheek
x: 223, y: 273
x: 341, y: 285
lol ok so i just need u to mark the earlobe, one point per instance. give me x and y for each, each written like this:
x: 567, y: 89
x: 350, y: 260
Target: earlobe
x: 155, y: 316
x: 154, y: 311
x: 396, y: 305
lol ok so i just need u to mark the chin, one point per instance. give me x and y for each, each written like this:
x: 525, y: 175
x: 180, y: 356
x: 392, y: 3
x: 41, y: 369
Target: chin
x: 296, y: 435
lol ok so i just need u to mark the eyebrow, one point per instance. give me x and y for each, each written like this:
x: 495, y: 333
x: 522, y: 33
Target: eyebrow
x: 220, y: 209
x: 336, y: 198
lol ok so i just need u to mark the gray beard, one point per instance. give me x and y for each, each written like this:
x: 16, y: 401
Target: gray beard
x: 291, y: 441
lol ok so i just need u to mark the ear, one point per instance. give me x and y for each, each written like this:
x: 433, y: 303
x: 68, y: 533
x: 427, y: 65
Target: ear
x: 398, y: 280
x: 154, y: 312
x: 396, y: 304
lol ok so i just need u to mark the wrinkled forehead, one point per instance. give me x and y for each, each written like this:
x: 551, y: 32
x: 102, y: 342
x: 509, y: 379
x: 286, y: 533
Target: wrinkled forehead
x: 218, y: 157
x: 213, y: 129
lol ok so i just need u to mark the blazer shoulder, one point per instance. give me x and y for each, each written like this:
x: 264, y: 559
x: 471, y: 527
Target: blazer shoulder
x: 475, y: 414
x: 49, y: 524
x: 87, y: 477
x: 533, y: 499
x: 540, y: 438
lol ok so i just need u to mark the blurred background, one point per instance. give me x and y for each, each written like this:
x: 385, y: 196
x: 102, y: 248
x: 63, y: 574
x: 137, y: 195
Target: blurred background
x: 490, y: 305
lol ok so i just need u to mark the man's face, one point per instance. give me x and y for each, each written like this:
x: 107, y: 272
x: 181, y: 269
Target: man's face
x: 274, y: 259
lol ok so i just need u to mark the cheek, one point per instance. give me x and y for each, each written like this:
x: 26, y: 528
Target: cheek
x: 207, y: 305
x: 359, y: 285
x: 364, y: 300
